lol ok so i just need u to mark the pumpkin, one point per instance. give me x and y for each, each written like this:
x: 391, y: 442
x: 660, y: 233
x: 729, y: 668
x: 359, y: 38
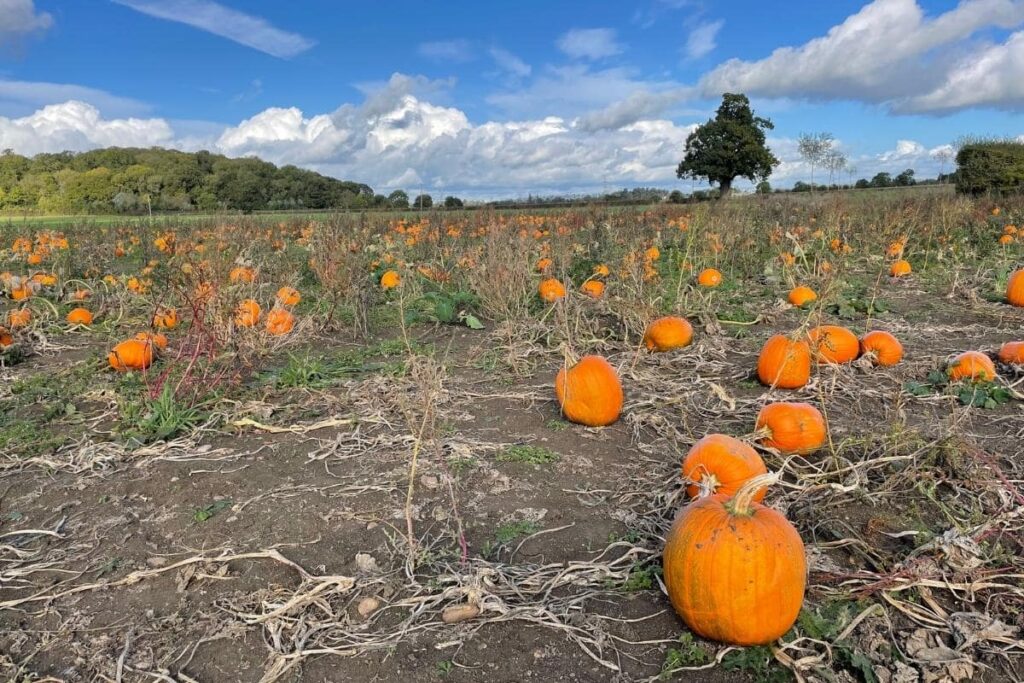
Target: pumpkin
x: 551, y: 290
x: 134, y: 354
x: 288, y: 296
x: 81, y: 295
x: 21, y: 291
x: 155, y: 338
x: 390, y: 279
x: 1015, y: 289
x: 601, y: 270
x: 19, y: 318
x: 166, y: 319
x: 543, y: 264
x: 721, y: 464
x: 791, y: 427
x: 734, y: 569
x: 593, y: 288
x: 242, y: 274
x: 247, y: 313
x: 881, y: 347
x: 665, y: 334
x: 1012, y: 353
x: 280, y: 321
x: 5, y: 338
x: 784, y: 363
x: 972, y: 365
x: 900, y: 268
x: 834, y: 344
x: 589, y: 392
x: 802, y: 295
x: 709, y: 277
x: 79, y: 316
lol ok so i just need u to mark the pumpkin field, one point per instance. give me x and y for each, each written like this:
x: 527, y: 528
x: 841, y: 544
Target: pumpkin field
x: 769, y: 438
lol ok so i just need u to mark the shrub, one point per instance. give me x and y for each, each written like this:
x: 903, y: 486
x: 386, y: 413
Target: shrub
x: 990, y: 166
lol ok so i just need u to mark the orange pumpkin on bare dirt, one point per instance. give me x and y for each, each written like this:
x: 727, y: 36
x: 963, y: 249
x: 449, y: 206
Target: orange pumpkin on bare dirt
x: 668, y: 333
x: 79, y: 316
x: 280, y: 321
x: 590, y: 392
x: 288, y: 296
x: 833, y: 344
x: 721, y: 464
x: 1015, y: 289
x: 551, y: 290
x: 784, y: 363
x: 133, y: 354
x: 593, y: 288
x: 709, y: 277
x: 1012, y: 353
x: 791, y: 427
x: 801, y: 296
x: 734, y: 569
x: 881, y: 347
x: 971, y: 365
x: 900, y: 268
x: 247, y: 313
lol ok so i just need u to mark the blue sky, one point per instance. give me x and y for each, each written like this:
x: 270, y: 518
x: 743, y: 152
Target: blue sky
x: 498, y: 99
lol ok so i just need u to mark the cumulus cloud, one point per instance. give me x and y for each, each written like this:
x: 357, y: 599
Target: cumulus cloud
x: 212, y: 17
x: 642, y: 104
x: 447, y: 50
x: 510, y: 63
x: 78, y: 126
x: 888, y: 52
x: 702, y: 39
x: 19, y: 17
x: 590, y: 43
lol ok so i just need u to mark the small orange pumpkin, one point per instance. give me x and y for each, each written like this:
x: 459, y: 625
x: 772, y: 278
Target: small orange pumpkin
x: 593, y: 288
x: 247, y: 313
x: 1015, y: 289
x: 5, y: 338
x: 802, y: 295
x: 79, y: 316
x: 834, y: 344
x: 19, y: 318
x: 543, y: 264
x: 1012, y: 353
x: 709, y: 277
x: 784, y: 363
x: 972, y: 365
x: 881, y: 347
x: 721, y: 464
x: 665, y: 334
x: 734, y: 569
x: 166, y: 319
x: 242, y: 274
x: 133, y: 354
x: 900, y: 268
x: 288, y: 296
x: 280, y: 321
x: 589, y: 392
x: 390, y: 279
x: 551, y: 290
x: 791, y: 427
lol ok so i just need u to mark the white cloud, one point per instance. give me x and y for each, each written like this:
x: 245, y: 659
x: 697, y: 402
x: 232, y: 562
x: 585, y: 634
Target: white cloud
x: 447, y: 50
x: 703, y: 39
x: 886, y: 52
x: 510, y: 63
x: 78, y: 126
x: 23, y: 97
x: 245, y: 29
x: 642, y: 104
x: 590, y: 43
x: 18, y: 17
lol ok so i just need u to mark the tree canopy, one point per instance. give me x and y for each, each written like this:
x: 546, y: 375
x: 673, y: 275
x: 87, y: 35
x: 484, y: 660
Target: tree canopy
x: 729, y: 146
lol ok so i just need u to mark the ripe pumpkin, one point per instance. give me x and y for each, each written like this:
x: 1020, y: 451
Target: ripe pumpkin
x: 79, y: 316
x: 543, y: 264
x: 791, y: 427
x: 881, y: 347
x: 735, y: 570
x: 280, y: 321
x: 166, y: 319
x: 834, y: 344
x: 900, y: 268
x: 593, y: 288
x: 242, y: 274
x: 159, y: 341
x: 670, y: 332
x: 972, y: 365
x: 19, y: 318
x: 1012, y: 353
x: 289, y: 296
x: 721, y: 464
x: 5, y: 338
x: 589, y: 392
x: 390, y: 279
x: 709, y: 277
x: 134, y: 354
x: 784, y: 363
x: 247, y: 313
x: 802, y: 295
x: 1015, y: 289
x: 551, y: 290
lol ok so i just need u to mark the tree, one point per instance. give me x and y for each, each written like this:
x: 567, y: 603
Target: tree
x: 729, y: 146
x: 676, y: 197
x: 906, y: 179
x: 452, y: 202
x: 835, y: 162
x: 862, y: 184
x: 943, y: 155
x: 881, y: 180
x: 423, y: 201
x: 813, y: 148
x: 764, y: 187
x: 399, y: 199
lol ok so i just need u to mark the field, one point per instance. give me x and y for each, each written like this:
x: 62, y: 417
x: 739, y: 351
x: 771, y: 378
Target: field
x: 387, y: 490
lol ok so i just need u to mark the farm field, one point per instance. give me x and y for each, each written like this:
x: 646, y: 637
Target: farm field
x: 345, y: 458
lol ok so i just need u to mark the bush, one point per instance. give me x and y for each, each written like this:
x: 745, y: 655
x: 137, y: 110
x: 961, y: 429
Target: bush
x: 991, y: 166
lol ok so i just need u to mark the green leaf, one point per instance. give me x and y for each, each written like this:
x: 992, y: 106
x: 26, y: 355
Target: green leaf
x: 472, y: 322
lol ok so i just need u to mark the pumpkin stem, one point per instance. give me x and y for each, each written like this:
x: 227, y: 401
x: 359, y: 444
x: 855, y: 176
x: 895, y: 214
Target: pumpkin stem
x: 740, y: 504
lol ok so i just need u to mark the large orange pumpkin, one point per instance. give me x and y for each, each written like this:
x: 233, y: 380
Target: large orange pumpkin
x: 280, y: 321
x: 79, y: 316
x: 590, y: 392
x: 665, y: 334
x: 802, y: 295
x: 881, y: 347
x: 972, y: 365
x: 1015, y: 289
x: 721, y: 464
x: 709, y: 277
x: 551, y: 290
x: 134, y: 354
x: 784, y: 363
x: 247, y: 313
x: 791, y: 427
x: 734, y: 569
x: 834, y: 344
x: 1012, y: 353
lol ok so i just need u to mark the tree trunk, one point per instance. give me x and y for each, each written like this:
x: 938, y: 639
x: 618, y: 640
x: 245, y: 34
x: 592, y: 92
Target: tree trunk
x: 724, y: 187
